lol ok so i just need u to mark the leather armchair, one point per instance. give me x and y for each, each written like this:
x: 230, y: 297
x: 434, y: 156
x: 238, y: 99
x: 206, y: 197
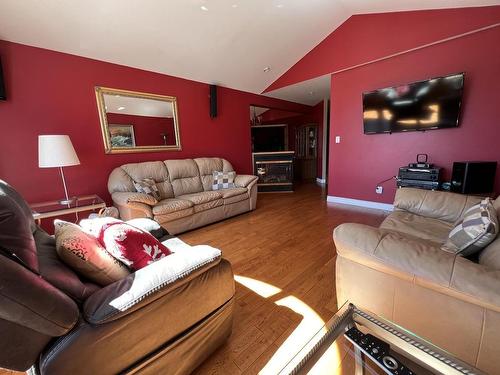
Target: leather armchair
x: 165, y: 318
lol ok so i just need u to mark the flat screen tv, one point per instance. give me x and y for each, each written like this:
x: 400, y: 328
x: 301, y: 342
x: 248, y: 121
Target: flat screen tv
x: 423, y: 105
x: 2, y: 85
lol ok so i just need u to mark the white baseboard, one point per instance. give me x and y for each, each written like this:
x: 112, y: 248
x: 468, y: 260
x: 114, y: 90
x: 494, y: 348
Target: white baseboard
x: 360, y: 203
x: 321, y: 181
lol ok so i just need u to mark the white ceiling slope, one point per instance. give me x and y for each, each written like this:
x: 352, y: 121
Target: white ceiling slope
x: 226, y: 42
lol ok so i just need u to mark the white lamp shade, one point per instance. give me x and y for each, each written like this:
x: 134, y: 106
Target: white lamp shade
x: 56, y: 151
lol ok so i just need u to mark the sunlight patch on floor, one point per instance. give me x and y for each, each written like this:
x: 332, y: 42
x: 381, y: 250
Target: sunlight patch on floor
x: 261, y: 288
x: 302, y: 338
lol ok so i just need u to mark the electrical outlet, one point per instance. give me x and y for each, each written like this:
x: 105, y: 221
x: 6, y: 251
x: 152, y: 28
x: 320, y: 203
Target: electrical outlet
x: 337, y: 139
x: 379, y: 189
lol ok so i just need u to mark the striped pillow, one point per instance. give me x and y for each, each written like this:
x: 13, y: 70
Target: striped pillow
x: 147, y: 186
x: 474, y: 231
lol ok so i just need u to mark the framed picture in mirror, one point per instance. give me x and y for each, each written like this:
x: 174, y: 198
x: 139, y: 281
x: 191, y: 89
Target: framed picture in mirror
x: 137, y: 122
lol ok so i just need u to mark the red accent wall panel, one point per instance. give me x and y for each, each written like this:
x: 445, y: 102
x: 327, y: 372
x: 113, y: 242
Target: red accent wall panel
x: 363, y: 38
x: 53, y: 93
x: 360, y: 161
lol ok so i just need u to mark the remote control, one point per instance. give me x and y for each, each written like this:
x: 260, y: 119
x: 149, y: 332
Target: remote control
x: 378, y: 351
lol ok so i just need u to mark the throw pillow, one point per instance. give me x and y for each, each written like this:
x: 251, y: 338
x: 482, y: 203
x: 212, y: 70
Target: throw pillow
x: 132, y: 246
x: 474, y: 231
x: 147, y: 186
x: 84, y: 254
x: 223, y: 180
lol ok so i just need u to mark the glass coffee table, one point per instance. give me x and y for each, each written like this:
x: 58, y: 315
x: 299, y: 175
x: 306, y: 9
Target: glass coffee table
x: 367, y: 344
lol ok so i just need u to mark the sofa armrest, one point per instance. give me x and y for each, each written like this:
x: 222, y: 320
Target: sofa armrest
x: 125, y: 198
x: 146, y: 285
x: 245, y: 180
x: 133, y: 205
x: 419, y: 261
x: 30, y: 301
x: 435, y: 204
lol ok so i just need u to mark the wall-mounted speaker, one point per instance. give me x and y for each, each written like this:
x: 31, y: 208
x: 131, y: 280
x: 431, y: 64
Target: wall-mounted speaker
x: 3, y: 95
x: 213, y: 101
x: 473, y: 177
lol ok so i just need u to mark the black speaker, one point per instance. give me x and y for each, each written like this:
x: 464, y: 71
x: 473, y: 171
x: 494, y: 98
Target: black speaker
x: 3, y: 95
x: 473, y: 177
x: 213, y: 101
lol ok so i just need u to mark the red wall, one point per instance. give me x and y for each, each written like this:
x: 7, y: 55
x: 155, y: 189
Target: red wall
x: 53, y: 93
x: 363, y: 38
x: 147, y: 129
x: 360, y: 161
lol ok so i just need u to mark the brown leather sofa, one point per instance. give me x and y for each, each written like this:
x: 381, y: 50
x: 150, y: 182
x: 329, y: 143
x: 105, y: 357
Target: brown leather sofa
x: 187, y: 199
x: 399, y: 271
x: 154, y: 321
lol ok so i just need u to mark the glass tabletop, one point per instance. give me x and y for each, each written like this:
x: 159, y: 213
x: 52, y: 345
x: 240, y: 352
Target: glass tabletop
x: 357, y: 342
x: 51, y: 208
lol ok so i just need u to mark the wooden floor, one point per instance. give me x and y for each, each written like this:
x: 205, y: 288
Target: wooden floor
x: 284, y: 258
x: 285, y: 243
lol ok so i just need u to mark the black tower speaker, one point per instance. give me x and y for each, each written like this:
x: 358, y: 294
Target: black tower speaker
x: 473, y: 177
x: 213, y: 101
x: 3, y: 95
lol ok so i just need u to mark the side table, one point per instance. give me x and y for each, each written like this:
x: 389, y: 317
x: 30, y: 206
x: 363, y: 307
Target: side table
x: 45, y: 210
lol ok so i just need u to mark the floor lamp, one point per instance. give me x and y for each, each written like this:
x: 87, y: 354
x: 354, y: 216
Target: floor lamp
x: 57, y: 151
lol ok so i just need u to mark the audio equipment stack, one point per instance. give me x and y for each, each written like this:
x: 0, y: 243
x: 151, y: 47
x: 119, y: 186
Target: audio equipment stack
x: 421, y: 174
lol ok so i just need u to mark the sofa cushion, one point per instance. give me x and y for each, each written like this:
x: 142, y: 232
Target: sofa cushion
x: 83, y: 253
x: 165, y: 218
x: 234, y: 195
x: 155, y: 170
x: 184, y: 176
x: 168, y: 206
x: 228, y: 193
x: 207, y: 166
x: 418, y: 226
x: 438, y: 205
x: 202, y: 197
x: 476, y: 230
x: 490, y: 256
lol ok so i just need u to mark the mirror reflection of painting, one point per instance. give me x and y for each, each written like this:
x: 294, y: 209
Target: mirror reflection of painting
x: 141, y: 122
x: 121, y: 135
x: 137, y: 122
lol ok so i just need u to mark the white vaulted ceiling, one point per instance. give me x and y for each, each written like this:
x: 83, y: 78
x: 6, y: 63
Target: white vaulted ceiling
x: 226, y: 42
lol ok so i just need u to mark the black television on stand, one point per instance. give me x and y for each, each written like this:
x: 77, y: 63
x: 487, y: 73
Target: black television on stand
x: 423, y: 105
x: 3, y: 96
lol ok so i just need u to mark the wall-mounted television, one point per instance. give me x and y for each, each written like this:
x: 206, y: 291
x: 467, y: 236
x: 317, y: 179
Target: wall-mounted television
x: 423, y: 105
x: 3, y: 96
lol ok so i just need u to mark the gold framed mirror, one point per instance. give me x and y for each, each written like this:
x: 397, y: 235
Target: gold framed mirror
x: 137, y: 122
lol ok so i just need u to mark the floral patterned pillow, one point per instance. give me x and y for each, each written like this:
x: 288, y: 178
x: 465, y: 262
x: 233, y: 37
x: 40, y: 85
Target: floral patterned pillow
x: 83, y: 253
x: 130, y: 245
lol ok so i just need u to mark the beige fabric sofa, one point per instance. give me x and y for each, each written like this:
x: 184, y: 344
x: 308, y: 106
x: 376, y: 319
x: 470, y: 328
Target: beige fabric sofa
x: 187, y: 199
x: 399, y: 271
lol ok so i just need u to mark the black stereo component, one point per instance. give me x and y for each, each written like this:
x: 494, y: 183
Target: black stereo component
x: 378, y: 351
x: 420, y: 184
x: 473, y: 177
x: 424, y: 174
x: 213, y: 101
